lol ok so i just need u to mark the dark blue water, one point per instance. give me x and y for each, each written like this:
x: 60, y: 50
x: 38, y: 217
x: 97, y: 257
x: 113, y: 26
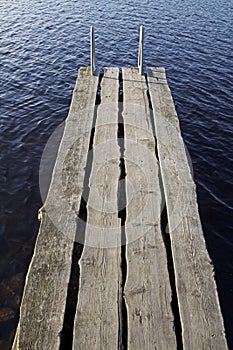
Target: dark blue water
x: 43, y: 43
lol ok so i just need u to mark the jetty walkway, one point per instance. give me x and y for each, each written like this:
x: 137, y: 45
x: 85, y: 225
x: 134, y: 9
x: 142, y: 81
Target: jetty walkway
x: 120, y: 260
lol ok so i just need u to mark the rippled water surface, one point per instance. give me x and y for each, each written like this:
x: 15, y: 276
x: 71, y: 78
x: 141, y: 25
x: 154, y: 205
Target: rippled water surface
x: 43, y: 43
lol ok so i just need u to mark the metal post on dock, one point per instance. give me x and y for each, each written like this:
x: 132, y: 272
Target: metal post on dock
x: 140, y: 51
x: 92, y: 51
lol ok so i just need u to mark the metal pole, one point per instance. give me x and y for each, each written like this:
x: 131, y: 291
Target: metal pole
x: 92, y: 53
x: 140, y: 51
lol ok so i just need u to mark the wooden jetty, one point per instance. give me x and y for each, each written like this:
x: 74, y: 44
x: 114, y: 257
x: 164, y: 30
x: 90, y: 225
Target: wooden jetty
x: 120, y: 261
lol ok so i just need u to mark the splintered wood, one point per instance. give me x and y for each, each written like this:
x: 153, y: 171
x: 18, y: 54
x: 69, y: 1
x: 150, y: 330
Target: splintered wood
x: 145, y: 282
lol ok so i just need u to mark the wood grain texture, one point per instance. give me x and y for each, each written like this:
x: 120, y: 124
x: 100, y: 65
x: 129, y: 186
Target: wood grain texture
x: 202, y: 324
x: 97, y: 317
x: 147, y: 290
x: 44, y: 299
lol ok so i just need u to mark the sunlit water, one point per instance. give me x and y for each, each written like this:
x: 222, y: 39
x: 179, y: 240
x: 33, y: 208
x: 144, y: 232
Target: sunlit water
x: 43, y: 43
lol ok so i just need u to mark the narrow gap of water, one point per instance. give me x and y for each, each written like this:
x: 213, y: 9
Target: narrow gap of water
x: 152, y: 119
x: 174, y: 301
x: 123, y: 317
x: 71, y: 301
x: 166, y: 238
x: 73, y: 287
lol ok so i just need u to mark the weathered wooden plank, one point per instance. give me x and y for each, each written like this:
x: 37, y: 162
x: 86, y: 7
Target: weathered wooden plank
x: 97, y: 317
x: 44, y: 298
x: 202, y: 324
x: 147, y: 290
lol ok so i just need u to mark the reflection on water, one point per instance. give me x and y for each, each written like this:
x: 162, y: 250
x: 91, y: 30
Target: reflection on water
x: 44, y: 44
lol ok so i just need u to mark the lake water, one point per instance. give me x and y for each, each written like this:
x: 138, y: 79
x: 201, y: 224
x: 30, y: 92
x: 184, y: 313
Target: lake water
x: 43, y: 43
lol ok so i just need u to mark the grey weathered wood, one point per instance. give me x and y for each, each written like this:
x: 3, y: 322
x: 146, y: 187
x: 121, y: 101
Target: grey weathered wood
x: 202, y: 324
x: 44, y: 299
x: 147, y: 290
x: 97, y: 317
